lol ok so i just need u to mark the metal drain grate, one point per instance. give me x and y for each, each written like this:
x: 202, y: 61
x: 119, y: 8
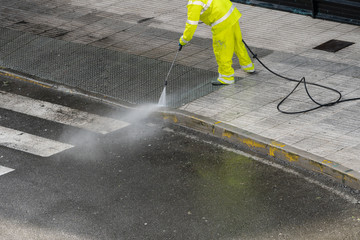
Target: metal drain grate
x: 333, y: 45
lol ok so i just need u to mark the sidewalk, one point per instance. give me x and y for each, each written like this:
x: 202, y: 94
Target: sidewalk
x: 328, y: 139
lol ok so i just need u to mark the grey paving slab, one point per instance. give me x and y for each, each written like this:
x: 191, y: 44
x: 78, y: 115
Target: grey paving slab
x: 352, y: 71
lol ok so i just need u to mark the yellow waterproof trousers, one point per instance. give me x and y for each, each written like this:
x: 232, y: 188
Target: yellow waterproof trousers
x: 224, y: 45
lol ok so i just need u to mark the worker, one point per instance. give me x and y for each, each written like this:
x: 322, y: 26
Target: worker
x: 223, y: 18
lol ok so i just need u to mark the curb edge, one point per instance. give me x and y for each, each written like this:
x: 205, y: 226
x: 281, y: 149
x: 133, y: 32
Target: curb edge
x: 265, y: 147
x: 64, y: 88
x: 247, y: 140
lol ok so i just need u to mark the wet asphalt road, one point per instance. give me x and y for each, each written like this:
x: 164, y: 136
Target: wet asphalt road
x: 154, y: 181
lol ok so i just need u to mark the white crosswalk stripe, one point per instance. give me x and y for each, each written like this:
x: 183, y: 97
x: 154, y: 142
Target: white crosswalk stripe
x: 60, y: 114
x: 30, y: 143
x: 5, y: 170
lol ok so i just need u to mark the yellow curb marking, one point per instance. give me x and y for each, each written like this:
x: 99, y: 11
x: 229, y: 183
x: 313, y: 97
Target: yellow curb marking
x: 289, y: 156
x: 171, y: 117
x: 318, y: 167
x: 201, y: 122
x: 275, y: 143
x: 272, y: 151
x: 213, y: 126
x: 252, y: 143
x: 327, y: 162
x: 227, y: 134
x: 344, y: 177
x: 195, y: 118
x: 23, y: 79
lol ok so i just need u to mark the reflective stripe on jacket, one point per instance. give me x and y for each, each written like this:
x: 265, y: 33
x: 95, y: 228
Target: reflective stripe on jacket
x: 219, y: 14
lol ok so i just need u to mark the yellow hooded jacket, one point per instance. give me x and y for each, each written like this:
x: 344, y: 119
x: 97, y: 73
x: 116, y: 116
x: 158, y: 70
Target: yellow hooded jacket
x: 219, y: 14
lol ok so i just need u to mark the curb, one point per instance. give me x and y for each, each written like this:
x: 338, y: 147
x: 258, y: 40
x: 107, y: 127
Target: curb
x: 265, y: 147
x: 246, y: 140
x: 6, y: 72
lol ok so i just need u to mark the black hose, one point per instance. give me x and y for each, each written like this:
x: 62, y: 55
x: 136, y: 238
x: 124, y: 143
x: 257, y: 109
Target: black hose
x: 319, y: 105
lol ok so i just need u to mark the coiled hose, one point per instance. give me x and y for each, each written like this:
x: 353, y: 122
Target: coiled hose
x: 303, y: 80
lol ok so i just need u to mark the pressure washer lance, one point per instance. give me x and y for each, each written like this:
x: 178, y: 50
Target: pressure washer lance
x: 162, y: 100
x: 319, y: 105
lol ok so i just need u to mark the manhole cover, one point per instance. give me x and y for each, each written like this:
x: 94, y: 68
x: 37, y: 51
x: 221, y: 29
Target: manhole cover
x: 333, y: 45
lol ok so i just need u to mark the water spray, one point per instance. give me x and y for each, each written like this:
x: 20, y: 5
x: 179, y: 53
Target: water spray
x: 162, y: 100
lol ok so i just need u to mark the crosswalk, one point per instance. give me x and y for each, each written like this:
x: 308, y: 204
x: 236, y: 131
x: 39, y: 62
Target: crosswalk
x: 40, y: 146
x: 58, y: 113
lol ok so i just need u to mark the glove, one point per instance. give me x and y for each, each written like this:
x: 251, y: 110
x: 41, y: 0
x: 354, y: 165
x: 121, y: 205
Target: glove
x: 182, y: 41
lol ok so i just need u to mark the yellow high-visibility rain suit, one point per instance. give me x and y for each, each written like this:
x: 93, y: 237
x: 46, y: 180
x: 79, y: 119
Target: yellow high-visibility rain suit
x: 223, y: 18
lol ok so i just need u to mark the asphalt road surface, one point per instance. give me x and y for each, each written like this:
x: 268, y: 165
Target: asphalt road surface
x: 74, y: 168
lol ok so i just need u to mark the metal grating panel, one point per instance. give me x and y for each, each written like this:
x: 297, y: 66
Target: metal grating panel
x: 333, y: 45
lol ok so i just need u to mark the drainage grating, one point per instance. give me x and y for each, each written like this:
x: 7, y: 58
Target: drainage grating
x: 333, y: 45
